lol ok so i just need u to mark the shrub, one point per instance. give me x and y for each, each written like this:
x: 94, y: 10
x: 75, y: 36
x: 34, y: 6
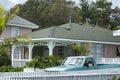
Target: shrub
x: 44, y: 62
x: 4, y: 60
x: 116, y: 78
x: 55, y: 61
x: 10, y: 69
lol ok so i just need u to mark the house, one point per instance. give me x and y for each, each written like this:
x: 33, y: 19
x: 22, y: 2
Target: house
x: 17, y: 26
x: 56, y: 40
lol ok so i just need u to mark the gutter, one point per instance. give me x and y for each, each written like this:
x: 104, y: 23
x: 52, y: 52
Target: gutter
x: 72, y: 40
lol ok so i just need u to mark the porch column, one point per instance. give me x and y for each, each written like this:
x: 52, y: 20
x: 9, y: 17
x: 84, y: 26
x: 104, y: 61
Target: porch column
x: 12, y: 54
x: 30, y: 51
x: 51, y: 46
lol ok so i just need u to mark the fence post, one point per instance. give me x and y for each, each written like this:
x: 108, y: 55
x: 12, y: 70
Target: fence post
x: 113, y: 61
x: 74, y: 77
x: 100, y: 77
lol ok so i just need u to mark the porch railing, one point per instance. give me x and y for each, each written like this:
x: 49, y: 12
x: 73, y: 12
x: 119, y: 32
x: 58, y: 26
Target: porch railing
x: 108, y: 61
x: 19, y: 62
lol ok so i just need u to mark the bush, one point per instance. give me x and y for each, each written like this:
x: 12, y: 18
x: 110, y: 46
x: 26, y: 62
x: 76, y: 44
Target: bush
x: 55, y: 61
x: 43, y: 62
x: 10, y: 69
x: 116, y: 78
x: 4, y: 60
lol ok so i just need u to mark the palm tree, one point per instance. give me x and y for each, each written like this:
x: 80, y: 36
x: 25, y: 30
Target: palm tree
x: 81, y: 49
x: 2, y: 19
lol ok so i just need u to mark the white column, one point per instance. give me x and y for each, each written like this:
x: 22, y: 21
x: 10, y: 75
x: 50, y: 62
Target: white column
x: 12, y: 54
x: 51, y: 46
x: 30, y: 46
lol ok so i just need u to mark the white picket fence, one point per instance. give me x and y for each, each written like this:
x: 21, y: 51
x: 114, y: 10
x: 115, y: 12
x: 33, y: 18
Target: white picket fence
x: 105, y: 74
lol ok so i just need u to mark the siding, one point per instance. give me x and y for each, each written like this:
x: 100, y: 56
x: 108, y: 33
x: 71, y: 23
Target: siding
x: 105, y: 51
x: 111, y: 52
x: 24, y: 30
x: 6, y: 32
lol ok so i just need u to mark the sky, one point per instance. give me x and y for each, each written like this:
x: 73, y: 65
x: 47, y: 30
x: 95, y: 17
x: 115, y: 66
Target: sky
x: 7, y: 4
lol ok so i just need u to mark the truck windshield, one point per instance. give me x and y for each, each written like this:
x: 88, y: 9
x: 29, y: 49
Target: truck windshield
x: 73, y: 61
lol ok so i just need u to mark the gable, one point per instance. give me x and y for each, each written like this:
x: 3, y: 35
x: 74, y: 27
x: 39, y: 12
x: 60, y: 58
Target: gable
x: 18, y: 21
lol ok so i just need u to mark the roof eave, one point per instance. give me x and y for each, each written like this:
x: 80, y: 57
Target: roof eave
x: 25, y: 26
x: 72, y: 40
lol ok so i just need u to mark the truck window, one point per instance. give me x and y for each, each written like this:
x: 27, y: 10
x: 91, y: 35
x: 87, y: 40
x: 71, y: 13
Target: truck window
x: 89, y: 62
x: 73, y: 61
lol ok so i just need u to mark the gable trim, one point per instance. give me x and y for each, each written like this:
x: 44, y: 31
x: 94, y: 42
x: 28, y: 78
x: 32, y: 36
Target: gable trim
x: 25, y: 26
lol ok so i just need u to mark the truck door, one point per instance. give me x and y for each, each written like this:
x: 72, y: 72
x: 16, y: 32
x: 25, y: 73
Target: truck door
x: 89, y: 64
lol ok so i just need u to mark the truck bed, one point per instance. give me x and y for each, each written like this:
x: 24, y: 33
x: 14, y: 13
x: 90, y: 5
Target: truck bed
x: 104, y: 66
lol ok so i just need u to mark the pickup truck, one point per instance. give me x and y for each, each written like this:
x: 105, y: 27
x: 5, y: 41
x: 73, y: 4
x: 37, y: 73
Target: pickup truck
x: 77, y: 63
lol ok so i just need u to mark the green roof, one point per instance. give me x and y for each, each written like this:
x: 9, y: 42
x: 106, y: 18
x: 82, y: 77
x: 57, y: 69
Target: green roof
x: 77, y: 32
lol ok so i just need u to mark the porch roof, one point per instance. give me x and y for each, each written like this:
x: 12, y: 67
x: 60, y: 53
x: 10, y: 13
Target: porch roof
x: 83, y: 32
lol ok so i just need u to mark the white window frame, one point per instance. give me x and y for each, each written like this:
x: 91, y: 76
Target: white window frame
x: 17, y: 31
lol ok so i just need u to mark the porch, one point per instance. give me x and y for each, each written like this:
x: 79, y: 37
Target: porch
x: 25, y: 52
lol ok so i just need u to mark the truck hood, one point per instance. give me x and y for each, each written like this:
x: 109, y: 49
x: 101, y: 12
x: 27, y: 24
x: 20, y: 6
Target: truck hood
x: 62, y: 68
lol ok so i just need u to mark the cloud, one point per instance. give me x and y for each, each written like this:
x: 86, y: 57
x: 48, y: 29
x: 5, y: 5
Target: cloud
x: 15, y: 1
x: 7, y: 4
x: 18, y: 1
x: 115, y: 3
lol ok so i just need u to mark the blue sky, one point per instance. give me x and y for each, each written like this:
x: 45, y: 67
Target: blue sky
x: 7, y: 4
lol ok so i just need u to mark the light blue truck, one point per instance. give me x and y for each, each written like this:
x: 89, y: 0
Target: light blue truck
x: 77, y: 63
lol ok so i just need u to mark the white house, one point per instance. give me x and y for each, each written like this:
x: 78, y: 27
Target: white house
x: 55, y: 41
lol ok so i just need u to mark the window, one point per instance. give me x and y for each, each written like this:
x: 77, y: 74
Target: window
x: 15, y: 31
x: 26, y: 52
x: 118, y: 51
x: 17, y: 52
x: 73, y: 61
x: 96, y: 50
x: 60, y: 51
x: 89, y: 62
x: 99, y: 51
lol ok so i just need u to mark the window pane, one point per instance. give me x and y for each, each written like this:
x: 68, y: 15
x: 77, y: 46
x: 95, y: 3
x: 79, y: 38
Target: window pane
x: 15, y: 31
